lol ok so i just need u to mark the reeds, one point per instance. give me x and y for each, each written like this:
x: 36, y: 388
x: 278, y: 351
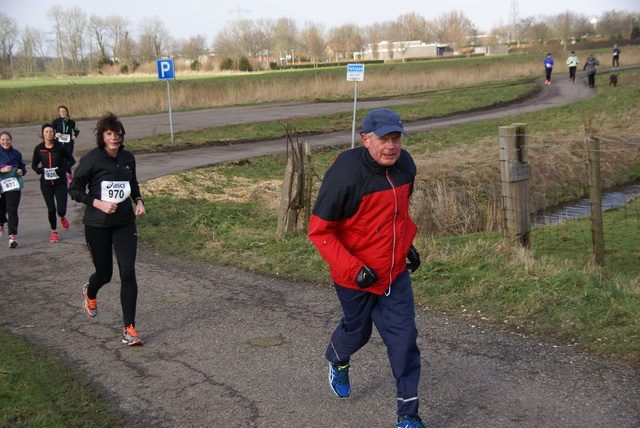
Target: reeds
x: 127, y: 98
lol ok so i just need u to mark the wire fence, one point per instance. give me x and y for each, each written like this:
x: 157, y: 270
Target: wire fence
x: 461, y: 191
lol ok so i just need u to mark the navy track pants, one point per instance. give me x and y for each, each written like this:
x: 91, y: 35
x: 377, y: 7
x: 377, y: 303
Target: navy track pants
x: 393, y: 314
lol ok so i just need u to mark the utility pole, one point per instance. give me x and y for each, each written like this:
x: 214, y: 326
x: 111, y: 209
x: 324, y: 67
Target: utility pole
x: 513, y: 21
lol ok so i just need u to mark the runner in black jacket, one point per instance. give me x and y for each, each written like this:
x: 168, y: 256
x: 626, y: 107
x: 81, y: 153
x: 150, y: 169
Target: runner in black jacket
x: 66, y: 132
x: 66, y: 129
x: 52, y: 162
x: 105, y: 181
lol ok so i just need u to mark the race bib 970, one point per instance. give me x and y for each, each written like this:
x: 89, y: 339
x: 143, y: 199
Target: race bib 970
x: 115, y: 191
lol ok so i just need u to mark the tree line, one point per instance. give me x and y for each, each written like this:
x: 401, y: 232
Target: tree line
x: 80, y: 44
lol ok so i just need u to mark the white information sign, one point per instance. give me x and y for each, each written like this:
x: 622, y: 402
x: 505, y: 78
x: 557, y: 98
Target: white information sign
x: 355, y: 72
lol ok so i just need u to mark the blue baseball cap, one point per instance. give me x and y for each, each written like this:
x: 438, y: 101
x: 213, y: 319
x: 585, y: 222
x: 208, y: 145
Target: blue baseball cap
x: 381, y: 122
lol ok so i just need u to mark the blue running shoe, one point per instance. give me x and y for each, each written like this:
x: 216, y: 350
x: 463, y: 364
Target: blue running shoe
x: 339, y: 380
x: 407, y: 421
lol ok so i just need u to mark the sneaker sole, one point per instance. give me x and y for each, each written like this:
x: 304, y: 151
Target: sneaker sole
x: 137, y: 342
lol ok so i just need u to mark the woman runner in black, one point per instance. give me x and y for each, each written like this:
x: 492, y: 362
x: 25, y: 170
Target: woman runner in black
x: 52, y: 161
x: 105, y: 181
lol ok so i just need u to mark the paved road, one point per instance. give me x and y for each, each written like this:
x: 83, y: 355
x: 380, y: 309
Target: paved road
x: 225, y: 347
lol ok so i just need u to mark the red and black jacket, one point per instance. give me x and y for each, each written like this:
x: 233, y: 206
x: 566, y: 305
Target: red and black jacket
x: 56, y: 157
x: 361, y: 217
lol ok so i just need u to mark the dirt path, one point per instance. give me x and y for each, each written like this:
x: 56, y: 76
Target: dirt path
x: 225, y: 347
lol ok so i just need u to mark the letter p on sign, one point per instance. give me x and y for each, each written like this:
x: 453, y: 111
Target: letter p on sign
x: 165, y: 69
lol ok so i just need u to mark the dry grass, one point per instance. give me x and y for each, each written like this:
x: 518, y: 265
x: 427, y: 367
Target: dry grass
x: 197, y: 184
x: 458, y: 191
x: 28, y: 106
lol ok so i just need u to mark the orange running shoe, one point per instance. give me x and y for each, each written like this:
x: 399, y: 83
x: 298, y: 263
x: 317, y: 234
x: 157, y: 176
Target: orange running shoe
x: 90, y: 305
x: 130, y: 336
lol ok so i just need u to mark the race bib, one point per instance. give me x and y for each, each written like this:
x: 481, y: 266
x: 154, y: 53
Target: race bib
x: 65, y: 138
x: 115, y: 191
x: 50, y: 173
x: 9, y: 184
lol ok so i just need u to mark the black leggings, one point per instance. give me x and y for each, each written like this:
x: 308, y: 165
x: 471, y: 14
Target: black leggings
x: 616, y: 61
x: 124, y: 240
x: 9, y: 202
x: 55, y: 193
x: 70, y: 145
x: 572, y: 74
x: 548, y: 73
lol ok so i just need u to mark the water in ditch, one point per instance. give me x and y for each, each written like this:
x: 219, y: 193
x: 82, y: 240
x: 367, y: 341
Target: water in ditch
x: 610, y: 199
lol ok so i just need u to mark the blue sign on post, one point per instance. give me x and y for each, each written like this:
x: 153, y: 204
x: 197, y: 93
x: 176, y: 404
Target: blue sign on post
x: 165, y: 69
x: 167, y: 72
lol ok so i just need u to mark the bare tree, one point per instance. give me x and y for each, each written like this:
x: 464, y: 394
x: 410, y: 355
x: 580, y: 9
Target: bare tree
x: 8, y: 36
x: 75, y: 23
x: 524, y: 29
x: 225, y: 46
x: 568, y: 25
x: 154, y: 41
x: 412, y: 26
x: 313, y: 40
x: 100, y: 33
x: 453, y: 27
x: 56, y: 14
x: 615, y: 23
x: 242, y: 38
x: 348, y: 38
x: 541, y: 32
x: 118, y: 28
x: 32, y: 48
x: 194, y: 48
x: 284, y: 37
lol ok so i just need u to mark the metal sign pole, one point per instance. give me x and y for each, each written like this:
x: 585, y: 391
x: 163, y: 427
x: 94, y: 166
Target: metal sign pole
x: 353, y: 125
x: 170, y: 115
x: 355, y: 73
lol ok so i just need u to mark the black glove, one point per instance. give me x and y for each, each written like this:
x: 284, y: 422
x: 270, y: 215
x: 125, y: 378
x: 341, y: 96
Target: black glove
x: 414, y: 259
x: 366, y: 277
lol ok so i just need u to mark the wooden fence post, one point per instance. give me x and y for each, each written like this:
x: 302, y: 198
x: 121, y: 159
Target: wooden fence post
x: 515, y: 173
x: 308, y: 185
x: 595, y: 200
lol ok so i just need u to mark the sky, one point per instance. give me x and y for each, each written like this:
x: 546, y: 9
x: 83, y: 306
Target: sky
x: 185, y: 18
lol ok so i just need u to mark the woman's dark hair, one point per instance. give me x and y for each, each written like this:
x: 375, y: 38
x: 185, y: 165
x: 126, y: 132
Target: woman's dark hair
x: 46, y: 125
x: 6, y: 133
x: 64, y: 107
x: 108, y: 122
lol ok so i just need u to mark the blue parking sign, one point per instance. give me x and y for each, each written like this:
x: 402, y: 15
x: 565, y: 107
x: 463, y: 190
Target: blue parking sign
x: 165, y: 69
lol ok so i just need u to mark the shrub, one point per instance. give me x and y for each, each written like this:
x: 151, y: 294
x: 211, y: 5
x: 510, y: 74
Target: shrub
x: 124, y: 69
x: 226, y: 64
x: 244, y: 64
x: 195, y: 65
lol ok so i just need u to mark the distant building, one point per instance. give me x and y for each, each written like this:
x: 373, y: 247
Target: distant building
x: 403, y: 50
x: 492, y: 50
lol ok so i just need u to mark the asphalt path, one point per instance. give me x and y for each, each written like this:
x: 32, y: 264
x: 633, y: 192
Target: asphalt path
x: 226, y: 347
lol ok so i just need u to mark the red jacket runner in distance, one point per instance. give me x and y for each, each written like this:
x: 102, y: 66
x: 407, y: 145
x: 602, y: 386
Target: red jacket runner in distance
x: 361, y: 217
